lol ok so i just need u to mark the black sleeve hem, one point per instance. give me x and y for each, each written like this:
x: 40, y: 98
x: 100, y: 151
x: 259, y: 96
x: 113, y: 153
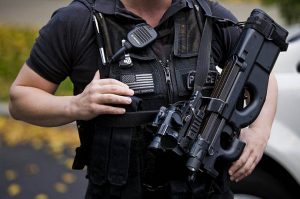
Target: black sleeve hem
x: 31, y: 65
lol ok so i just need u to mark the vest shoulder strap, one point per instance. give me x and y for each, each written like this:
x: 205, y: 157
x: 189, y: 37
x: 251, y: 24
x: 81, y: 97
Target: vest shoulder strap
x: 89, y: 4
x: 205, y: 6
x: 101, y: 36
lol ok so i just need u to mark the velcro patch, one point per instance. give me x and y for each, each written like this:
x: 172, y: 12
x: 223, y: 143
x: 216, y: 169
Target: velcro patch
x: 140, y: 83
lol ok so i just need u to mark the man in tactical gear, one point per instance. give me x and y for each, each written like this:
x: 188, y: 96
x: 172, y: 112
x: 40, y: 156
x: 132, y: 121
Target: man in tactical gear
x: 116, y: 154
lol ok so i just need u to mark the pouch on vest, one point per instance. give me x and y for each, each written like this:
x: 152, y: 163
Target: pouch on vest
x: 86, y: 132
x: 110, y: 152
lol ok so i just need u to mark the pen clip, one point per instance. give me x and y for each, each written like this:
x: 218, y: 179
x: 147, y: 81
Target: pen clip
x: 99, y: 41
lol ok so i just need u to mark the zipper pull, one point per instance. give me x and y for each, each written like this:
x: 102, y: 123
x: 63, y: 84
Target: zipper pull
x: 167, y: 72
x: 166, y: 69
x: 168, y: 75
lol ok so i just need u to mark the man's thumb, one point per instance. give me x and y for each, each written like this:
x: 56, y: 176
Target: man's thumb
x: 97, y: 75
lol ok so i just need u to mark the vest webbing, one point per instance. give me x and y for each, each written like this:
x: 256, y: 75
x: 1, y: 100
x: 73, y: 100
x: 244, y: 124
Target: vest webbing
x: 117, y: 139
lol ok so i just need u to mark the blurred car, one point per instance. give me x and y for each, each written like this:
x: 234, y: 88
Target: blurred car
x: 278, y: 173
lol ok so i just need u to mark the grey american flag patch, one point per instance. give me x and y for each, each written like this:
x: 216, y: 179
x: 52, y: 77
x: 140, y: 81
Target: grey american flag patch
x: 140, y: 83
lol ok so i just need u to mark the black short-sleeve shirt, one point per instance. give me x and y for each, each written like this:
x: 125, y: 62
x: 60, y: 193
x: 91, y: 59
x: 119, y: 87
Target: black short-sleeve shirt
x: 66, y: 46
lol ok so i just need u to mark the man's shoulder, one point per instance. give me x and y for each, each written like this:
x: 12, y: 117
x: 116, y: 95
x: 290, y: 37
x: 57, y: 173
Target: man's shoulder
x: 76, y: 11
x: 220, y: 11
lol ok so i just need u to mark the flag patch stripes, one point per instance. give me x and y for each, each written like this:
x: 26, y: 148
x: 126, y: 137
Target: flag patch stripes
x: 140, y: 83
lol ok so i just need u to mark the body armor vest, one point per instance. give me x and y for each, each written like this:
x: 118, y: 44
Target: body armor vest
x: 111, y: 152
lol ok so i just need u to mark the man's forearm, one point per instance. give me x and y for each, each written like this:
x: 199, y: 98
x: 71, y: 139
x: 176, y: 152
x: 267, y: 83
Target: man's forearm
x: 256, y: 136
x: 266, y: 117
x: 38, y: 107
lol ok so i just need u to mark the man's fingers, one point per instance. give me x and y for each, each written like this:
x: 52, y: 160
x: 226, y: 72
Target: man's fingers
x: 245, y: 170
x: 112, y: 99
x: 114, y: 89
x: 109, y: 81
x: 240, y: 162
x: 253, y: 166
x: 97, y: 75
x: 106, y: 109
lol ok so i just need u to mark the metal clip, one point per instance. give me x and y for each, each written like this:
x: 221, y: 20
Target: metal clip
x: 126, y: 62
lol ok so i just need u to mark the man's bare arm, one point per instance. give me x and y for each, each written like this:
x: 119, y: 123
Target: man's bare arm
x: 32, y: 100
x: 256, y: 136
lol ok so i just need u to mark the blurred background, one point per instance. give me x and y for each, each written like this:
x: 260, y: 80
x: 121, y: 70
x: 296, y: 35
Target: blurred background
x: 35, y: 162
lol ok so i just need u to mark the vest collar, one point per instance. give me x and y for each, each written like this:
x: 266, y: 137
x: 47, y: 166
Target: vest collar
x: 116, y: 6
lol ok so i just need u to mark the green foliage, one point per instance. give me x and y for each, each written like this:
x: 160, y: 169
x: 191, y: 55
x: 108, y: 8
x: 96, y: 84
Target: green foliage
x: 14, y: 48
x: 15, y: 45
x: 65, y: 88
x: 290, y: 9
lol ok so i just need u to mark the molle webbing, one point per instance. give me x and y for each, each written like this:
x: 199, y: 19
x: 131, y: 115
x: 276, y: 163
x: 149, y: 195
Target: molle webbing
x: 110, y: 137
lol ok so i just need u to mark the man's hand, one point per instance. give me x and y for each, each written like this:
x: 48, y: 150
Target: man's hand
x: 256, y: 136
x: 99, y: 97
x: 256, y: 141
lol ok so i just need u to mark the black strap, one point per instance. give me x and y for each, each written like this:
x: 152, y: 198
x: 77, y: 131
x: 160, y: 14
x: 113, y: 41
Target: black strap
x: 106, y: 36
x: 102, y: 36
x: 130, y: 119
x: 87, y: 3
x: 203, y: 61
x: 133, y: 119
x: 268, y: 30
x: 119, y: 157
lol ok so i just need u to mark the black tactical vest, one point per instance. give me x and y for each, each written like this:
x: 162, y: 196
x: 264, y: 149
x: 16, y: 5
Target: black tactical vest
x: 113, y: 154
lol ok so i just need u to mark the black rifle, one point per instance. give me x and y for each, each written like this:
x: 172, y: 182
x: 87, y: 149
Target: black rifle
x: 195, y: 128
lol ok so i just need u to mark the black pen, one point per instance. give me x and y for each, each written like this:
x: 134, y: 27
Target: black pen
x: 99, y: 41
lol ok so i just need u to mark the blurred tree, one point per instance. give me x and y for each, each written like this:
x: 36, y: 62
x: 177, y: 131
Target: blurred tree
x: 290, y: 9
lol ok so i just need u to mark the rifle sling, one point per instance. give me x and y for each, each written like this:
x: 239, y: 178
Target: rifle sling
x: 203, y: 61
